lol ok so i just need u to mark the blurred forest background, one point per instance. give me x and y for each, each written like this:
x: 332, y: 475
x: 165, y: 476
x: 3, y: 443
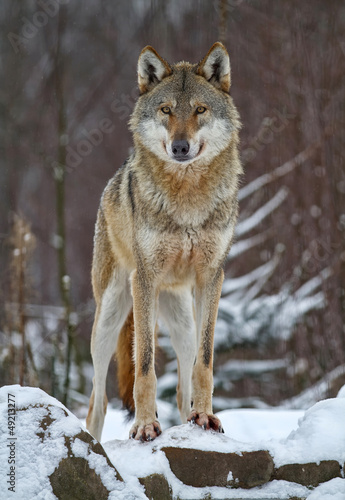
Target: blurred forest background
x: 67, y: 90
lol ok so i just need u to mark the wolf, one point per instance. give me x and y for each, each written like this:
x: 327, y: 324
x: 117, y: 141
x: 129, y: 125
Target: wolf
x: 164, y: 228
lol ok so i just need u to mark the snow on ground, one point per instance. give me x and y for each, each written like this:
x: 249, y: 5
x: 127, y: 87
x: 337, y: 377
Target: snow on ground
x: 291, y: 436
x: 320, y: 436
x: 332, y: 490
x: 134, y: 459
x: 259, y: 425
x: 243, y: 425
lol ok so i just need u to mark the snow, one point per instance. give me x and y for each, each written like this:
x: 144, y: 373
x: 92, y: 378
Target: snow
x: 238, y: 284
x: 341, y: 393
x: 259, y: 425
x: 242, y: 246
x: 234, y: 369
x: 317, y: 391
x: 320, y: 436
x: 31, y: 480
x: 332, y: 490
x: 280, y: 171
x: 36, y: 458
x: 254, y: 220
x: 290, y: 436
x: 134, y: 459
x: 243, y: 316
x: 247, y: 425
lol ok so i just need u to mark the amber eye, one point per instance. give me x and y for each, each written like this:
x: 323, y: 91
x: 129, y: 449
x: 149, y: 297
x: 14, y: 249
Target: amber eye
x: 166, y: 110
x: 200, y: 110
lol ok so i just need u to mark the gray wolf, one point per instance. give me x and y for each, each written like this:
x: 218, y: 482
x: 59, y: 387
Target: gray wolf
x: 165, y: 225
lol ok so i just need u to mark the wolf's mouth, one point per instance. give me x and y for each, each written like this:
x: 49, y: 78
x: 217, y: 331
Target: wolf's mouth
x: 200, y: 149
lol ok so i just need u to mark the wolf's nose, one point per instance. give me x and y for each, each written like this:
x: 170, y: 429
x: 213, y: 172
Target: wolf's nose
x: 180, y: 149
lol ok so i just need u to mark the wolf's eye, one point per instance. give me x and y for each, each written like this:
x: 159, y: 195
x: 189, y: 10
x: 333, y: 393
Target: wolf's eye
x: 166, y: 110
x: 200, y: 110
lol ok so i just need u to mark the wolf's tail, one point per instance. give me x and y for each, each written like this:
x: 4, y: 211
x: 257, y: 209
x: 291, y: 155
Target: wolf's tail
x: 125, y: 364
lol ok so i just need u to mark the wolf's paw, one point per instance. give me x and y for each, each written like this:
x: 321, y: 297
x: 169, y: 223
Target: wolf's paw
x: 146, y: 432
x: 206, y: 421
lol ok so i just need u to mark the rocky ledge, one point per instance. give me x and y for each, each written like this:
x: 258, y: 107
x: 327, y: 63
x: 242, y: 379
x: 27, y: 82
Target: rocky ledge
x: 54, y: 457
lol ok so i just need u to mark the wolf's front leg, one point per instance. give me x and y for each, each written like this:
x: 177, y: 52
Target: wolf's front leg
x: 207, y: 296
x: 146, y: 427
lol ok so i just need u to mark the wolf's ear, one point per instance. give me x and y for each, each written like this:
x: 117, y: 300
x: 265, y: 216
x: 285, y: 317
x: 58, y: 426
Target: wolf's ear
x: 215, y: 67
x: 151, y: 69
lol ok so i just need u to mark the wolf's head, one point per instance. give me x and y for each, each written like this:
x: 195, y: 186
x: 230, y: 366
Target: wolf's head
x: 185, y: 112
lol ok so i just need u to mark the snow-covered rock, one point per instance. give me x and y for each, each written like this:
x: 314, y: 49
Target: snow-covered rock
x: 45, y: 453
x: 314, y: 452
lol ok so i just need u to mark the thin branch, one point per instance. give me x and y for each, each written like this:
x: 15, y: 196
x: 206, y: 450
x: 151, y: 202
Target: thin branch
x: 254, y: 220
x: 284, y: 169
x: 239, y: 247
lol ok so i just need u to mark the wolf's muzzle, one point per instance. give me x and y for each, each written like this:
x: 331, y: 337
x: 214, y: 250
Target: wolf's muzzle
x: 180, y: 150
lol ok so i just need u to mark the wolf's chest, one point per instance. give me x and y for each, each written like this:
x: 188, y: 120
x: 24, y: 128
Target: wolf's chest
x: 196, y: 246
x: 181, y: 256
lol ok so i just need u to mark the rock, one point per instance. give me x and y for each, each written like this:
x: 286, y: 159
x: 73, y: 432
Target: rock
x: 53, y: 453
x: 73, y: 474
x: 156, y: 487
x: 53, y: 456
x: 209, y: 468
x: 309, y: 474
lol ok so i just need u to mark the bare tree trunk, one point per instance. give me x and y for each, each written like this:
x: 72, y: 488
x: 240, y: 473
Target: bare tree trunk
x: 21, y: 301
x: 222, y: 20
x: 22, y: 244
x: 59, y: 175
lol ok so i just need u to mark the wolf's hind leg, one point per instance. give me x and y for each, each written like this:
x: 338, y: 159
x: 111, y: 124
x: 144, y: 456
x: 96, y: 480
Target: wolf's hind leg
x: 111, y: 313
x: 177, y: 312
